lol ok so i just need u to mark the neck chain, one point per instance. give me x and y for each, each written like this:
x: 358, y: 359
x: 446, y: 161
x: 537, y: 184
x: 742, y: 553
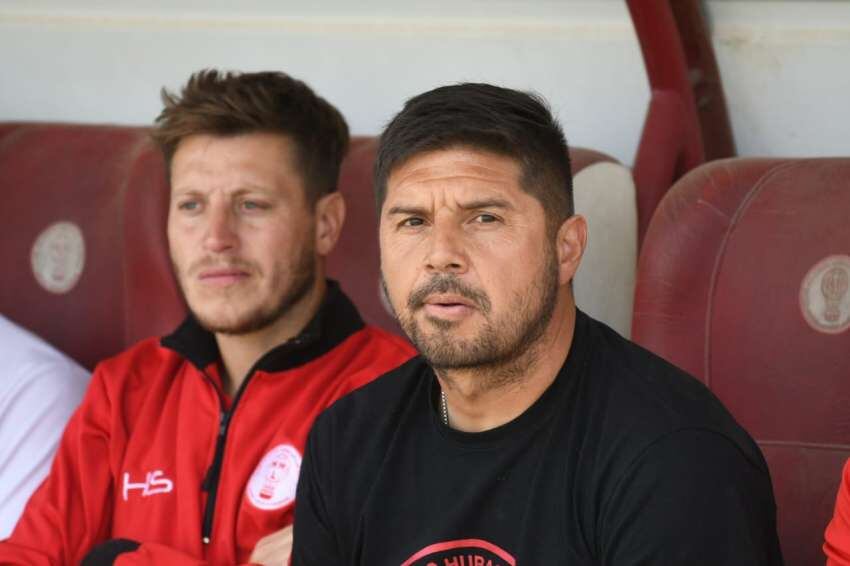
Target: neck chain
x: 444, y: 408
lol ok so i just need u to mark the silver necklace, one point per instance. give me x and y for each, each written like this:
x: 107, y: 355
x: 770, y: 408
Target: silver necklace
x: 444, y: 408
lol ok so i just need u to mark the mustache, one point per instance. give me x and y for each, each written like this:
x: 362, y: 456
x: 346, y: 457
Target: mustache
x: 448, y: 283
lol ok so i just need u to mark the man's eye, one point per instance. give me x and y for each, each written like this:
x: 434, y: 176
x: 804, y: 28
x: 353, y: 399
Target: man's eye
x: 188, y: 205
x: 485, y: 218
x: 412, y: 222
x: 253, y: 205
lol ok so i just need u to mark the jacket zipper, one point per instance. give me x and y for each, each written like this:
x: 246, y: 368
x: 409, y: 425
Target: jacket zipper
x: 213, y: 475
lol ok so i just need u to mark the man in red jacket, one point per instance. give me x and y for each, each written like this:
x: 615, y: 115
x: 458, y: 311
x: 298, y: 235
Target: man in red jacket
x: 187, y: 449
x: 837, y: 543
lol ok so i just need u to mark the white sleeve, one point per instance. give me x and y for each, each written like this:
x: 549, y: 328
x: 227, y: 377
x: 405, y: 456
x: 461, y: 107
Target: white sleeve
x: 35, y: 405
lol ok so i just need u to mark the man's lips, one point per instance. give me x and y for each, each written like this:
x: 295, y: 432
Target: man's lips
x: 445, y: 299
x: 222, y: 277
x: 448, y: 306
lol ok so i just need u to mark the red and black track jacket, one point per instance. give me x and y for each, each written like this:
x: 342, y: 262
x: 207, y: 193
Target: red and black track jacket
x: 159, y: 466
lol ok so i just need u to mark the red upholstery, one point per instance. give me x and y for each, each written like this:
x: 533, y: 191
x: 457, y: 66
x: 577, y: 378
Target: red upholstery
x: 355, y: 261
x: 109, y: 182
x: 722, y: 291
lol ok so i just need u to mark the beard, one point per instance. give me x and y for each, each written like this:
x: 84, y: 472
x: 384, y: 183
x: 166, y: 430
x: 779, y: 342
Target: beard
x: 501, y: 342
x: 302, y: 277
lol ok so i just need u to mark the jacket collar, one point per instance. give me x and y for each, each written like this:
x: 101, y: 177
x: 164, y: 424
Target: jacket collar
x: 336, y: 320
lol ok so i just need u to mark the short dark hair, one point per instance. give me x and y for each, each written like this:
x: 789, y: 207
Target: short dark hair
x: 487, y: 117
x: 230, y: 103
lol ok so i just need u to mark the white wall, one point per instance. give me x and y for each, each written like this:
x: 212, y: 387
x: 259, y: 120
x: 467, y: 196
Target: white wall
x: 786, y: 72
x: 785, y: 65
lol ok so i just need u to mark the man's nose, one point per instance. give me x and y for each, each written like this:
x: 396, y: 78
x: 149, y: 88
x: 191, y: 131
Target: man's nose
x: 446, y: 253
x: 220, y: 233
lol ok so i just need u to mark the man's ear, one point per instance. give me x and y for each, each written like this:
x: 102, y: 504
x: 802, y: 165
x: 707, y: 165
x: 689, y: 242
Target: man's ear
x: 330, y: 215
x: 570, y: 244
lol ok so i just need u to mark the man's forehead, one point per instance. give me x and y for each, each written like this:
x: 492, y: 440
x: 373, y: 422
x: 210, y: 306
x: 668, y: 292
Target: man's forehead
x: 276, y: 140
x: 461, y: 166
x: 246, y: 159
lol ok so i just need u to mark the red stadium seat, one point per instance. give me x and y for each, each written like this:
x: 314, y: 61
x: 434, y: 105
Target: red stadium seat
x: 355, y: 260
x: 604, y: 192
x: 84, y: 237
x: 743, y: 281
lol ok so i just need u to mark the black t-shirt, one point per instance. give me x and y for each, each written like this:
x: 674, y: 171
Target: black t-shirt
x: 624, y: 459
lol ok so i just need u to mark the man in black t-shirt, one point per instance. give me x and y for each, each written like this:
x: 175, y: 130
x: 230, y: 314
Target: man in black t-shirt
x: 526, y: 433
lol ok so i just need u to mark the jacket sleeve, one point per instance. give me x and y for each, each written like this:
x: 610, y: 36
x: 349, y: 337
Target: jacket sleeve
x: 34, y: 411
x: 152, y: 553
x: 315, y: 542
x: 72, y: 508
x: 124, y: 552
x: 694, y: 498
x: 837, y: 544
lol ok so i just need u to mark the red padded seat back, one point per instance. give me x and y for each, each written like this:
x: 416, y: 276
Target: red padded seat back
x: 743, y: 281
x: 94, y: 296
x: 355, y: 262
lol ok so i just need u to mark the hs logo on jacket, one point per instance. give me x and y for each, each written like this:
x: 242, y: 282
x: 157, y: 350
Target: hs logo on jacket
x: 155, y: 482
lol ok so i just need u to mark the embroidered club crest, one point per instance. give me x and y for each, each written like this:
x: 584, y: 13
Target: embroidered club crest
x: 58, y: 256
x: 825, y: 295
x: 272, y: 485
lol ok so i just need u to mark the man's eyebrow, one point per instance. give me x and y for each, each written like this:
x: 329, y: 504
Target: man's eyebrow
x: 486, y: 203
x: 471, y: 205
x: 249, y: 188
x: 183, y: 190
x: 244, y: 189
x: 413, y: 210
